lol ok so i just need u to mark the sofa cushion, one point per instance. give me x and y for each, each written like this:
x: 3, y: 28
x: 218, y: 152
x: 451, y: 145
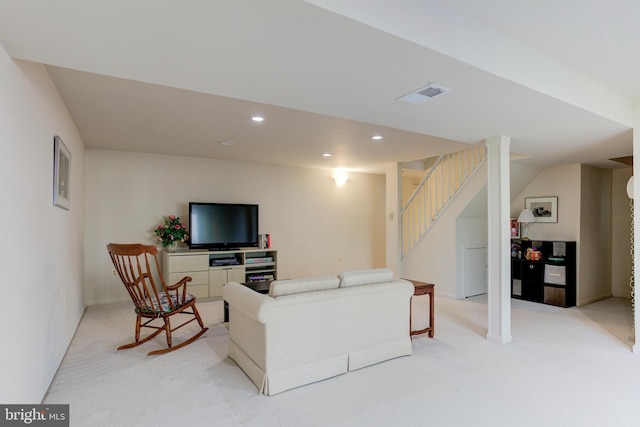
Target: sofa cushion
x: 365, y: 277
x: 280, y: 288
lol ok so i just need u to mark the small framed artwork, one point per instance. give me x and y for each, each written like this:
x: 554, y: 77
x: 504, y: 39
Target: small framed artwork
x: 61, y: 174
x: 515, y: 228
x: 545, y: 209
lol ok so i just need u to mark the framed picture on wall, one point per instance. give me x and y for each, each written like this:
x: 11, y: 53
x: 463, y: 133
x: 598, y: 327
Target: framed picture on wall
x: 545, y: 209
x: 515, y: 228
x: 61, y: 174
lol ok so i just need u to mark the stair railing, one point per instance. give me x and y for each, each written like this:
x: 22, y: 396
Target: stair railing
x: 436, y: 190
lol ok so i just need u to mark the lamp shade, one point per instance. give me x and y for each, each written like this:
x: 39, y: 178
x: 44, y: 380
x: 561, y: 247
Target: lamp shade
x: 526, y: 216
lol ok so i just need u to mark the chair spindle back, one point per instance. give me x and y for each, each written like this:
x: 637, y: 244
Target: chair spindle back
x: 133, y: 266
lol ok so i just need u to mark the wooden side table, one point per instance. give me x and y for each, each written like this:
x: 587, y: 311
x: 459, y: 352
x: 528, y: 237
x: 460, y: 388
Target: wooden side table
x: 422, y: 288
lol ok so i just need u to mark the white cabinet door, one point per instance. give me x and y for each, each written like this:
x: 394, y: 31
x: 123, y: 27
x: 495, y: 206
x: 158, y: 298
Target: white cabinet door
x: 474, y: 272
x: 219, y: 276
x: 236, y: 274
x: 217, y: 279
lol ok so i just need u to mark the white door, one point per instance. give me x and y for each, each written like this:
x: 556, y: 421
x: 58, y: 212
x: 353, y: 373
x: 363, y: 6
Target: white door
x: 474, y: 271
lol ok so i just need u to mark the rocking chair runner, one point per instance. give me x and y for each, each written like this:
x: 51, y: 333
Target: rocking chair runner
x: 132, y: 264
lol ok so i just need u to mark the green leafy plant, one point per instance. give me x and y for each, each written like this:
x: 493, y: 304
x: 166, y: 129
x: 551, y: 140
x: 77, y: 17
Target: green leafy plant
x: 171, y: 231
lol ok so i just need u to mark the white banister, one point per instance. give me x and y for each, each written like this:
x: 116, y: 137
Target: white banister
x: 438, y: 187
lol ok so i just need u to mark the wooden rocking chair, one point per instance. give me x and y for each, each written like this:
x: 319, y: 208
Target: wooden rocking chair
x: 132, y: 264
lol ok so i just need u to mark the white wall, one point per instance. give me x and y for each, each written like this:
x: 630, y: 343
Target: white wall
x: 564, y: 182
x: 595, y: 235
x: 317, y: 227
x: 393, y: 182
x: 520, y: 177
x: 42, y: 245
x: 620, y: 234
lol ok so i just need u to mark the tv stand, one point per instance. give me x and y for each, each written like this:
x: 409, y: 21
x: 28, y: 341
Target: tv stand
x: 211, y: 269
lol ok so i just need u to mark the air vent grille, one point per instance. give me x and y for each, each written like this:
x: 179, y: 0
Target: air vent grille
x: 421, y: 95
x: 431, y: 91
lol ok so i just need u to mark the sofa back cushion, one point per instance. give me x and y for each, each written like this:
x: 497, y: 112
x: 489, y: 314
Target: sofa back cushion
x: 365, y: 277
x: 280, y: 288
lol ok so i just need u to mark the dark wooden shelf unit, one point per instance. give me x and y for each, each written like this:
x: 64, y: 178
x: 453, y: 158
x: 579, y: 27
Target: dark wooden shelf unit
x: 551, y: 279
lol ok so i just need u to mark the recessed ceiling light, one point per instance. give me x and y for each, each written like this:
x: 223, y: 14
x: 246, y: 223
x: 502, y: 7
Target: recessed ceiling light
x: 257, y: 118
x: 327, y: 155
x: 376, y: 137
x: 226, y: 142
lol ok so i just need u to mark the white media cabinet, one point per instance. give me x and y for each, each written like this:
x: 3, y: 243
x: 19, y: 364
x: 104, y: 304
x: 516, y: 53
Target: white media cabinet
x: 210, y: 270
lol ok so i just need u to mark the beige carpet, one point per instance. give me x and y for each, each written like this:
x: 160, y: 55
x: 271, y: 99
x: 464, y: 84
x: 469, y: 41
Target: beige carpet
x: 565, y: 367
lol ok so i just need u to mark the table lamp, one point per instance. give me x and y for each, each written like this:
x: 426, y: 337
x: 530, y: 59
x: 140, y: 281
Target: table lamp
x: 526, y: 216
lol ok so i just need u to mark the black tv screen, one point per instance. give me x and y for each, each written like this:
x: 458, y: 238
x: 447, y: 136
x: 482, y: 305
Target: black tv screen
x: 222, y: 225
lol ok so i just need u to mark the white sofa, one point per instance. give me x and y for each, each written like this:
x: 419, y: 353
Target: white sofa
x: 310, y: 329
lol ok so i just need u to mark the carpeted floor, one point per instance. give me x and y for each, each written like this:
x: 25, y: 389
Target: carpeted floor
x: 565, y: 367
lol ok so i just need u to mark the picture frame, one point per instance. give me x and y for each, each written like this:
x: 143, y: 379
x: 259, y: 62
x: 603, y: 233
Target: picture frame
x: 61, y: 174
x: 545, y: 209
x: 514, y: 227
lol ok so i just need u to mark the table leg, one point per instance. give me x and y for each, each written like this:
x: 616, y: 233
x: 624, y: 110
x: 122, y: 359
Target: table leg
x: 422, y: 288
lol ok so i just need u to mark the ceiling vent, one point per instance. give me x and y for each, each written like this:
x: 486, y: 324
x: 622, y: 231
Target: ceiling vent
x: 421, y: 95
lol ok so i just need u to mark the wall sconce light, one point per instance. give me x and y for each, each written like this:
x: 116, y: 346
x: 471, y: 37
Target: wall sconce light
x: 526, y: 216
x: 341, y: 178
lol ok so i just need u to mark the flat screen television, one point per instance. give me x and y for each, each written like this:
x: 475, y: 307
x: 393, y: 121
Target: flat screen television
x: 222, y: 226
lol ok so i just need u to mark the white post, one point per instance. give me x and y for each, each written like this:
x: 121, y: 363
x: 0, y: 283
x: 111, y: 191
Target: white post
x: 499, y: 240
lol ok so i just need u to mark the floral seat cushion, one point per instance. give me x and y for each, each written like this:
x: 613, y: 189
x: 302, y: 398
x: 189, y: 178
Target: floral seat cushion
x: 163, y: 306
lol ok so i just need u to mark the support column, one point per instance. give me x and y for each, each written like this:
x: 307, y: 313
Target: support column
x: 499, y: 240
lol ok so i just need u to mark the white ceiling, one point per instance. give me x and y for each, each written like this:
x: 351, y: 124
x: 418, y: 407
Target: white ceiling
x: 161, y: 76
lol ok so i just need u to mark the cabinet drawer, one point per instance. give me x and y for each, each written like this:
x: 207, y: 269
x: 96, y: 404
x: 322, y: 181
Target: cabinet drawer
x: 188, y: 263
x: 199, y: 291
x: 555, y: 274
x: 555, y: 296
x: 215, y: 289
x: 197, y: 277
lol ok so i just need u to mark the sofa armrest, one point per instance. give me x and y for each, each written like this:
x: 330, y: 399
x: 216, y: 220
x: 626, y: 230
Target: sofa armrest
x: 251, y: 303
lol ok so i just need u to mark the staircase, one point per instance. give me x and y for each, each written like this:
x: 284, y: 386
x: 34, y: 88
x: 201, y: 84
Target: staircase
x: 429, y: 200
